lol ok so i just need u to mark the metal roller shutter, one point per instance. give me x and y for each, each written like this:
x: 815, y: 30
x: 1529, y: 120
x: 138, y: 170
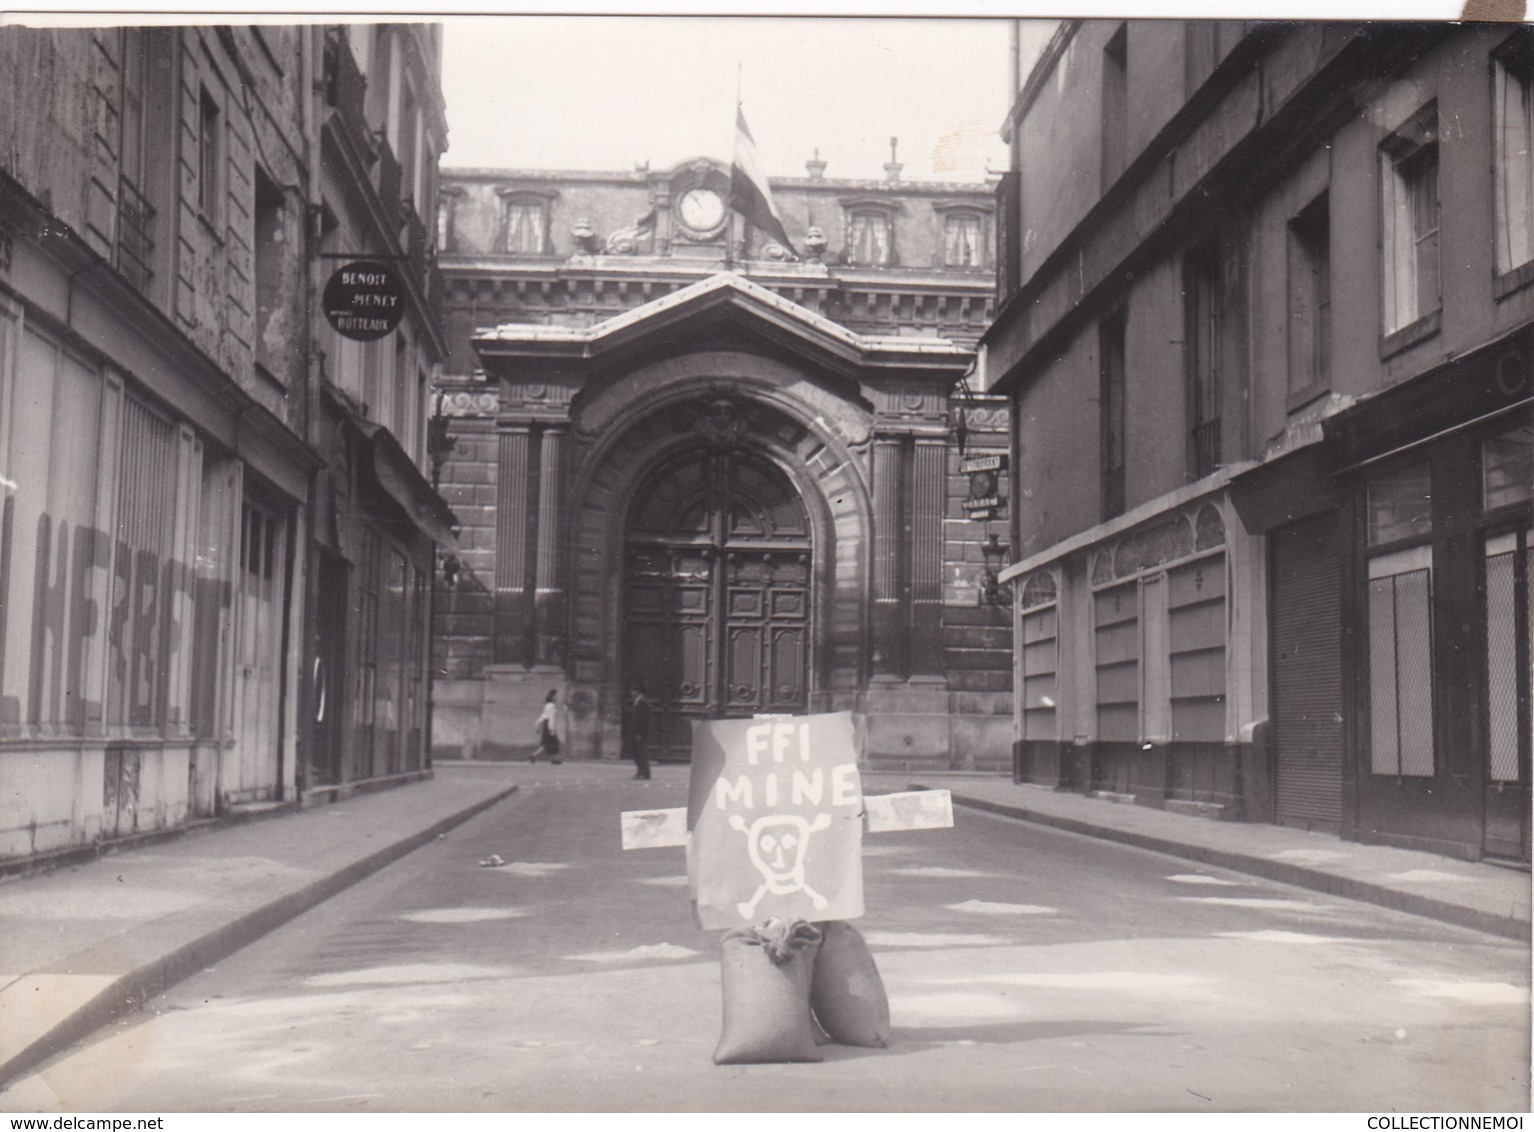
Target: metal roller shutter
x: 1307, y: 674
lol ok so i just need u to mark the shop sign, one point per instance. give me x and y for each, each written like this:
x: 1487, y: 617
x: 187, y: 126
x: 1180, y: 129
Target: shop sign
x: 364, y: 300
x: 996, y: 462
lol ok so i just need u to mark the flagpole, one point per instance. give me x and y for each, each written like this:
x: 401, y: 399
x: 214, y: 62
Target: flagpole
x: 729, y: 242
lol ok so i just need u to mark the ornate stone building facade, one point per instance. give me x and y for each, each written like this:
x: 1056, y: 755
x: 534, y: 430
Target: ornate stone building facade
x: 689, y: 458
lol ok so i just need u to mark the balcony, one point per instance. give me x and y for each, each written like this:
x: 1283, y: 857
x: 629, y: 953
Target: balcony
x: 134, y: 247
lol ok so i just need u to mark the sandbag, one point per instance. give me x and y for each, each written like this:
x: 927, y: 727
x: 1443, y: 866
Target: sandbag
x: 766, y: 971
x: 846, y: 992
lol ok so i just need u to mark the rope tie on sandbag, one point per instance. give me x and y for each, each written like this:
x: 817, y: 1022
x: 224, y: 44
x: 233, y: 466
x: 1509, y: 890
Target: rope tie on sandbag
x: 778, y: 937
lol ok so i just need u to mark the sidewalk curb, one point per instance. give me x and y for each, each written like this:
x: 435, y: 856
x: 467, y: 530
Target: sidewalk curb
x: 1509, y: 927
x: 138, y: 986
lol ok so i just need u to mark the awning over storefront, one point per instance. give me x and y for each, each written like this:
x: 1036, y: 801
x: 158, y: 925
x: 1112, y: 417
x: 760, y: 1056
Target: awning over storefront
x: 397, y: 477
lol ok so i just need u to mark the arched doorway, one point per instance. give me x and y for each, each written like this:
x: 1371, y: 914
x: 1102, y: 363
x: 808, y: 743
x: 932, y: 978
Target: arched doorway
x: 716, y: 593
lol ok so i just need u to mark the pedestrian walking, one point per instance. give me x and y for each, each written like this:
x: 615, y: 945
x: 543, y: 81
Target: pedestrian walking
x: 637, y: 710
x: 548, y: 731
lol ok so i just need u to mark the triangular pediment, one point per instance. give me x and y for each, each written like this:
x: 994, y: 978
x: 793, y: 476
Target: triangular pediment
x: 724, y: 308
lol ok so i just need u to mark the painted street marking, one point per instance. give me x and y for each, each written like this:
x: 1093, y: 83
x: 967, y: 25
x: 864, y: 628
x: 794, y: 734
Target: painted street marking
x: 408, y: 973
x: 941, y: 872
x: 933, y: 939
x: 532, y: 870
x: 987, y: 908
x: 1482, y: 994
x: 911, y: 809
x: 1258, y: 902
x: 462, y: 915
x: 1127, y: 981
x: 665, y: 882
x: 647, y: 951
x: 945, y: 1007
x: 653, y: 829
x: 1282, y: 937
x: 1200, y: 878
x: 1423, y: 875
x: 1308, y: 856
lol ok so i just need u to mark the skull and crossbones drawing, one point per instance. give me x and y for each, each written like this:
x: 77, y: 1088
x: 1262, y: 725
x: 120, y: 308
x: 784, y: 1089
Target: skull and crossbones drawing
x: 777, y: 845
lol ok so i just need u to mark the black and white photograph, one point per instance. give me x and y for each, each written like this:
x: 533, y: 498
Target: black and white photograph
x: 715, y: 562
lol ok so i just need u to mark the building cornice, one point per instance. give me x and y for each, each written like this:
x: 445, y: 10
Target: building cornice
x: 1210, y: 485
x: 729, y: 290
x: 637, y: 270
x: 640, y: 177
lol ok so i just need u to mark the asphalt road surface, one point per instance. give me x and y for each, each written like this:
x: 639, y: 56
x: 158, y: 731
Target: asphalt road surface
x: 1027, y: 969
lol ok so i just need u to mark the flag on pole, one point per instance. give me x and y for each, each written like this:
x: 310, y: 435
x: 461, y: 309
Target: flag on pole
x: 749, y: 194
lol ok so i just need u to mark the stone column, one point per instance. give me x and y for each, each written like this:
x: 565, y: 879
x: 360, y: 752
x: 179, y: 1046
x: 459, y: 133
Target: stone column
x: 888, y: 620
x: 929, y: 475
x: 549, y: 595
x: 512, y: 640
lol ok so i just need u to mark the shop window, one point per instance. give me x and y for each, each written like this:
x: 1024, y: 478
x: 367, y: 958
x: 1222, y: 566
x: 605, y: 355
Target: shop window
x: 869, y: 242
x: 415, y: 671
x: 1116, y: 616
x: 1507, y: 468
x: 1310, y: 300
x: 140, y: 620
x: 1196, y: 645
x: 366, y: 668
x: 1409, y: 180
x: 1401, y: 663
x: 1040, y: 660
x: 1513, y: 138
x: 962, y: 233
x: 1400, y: 641
x: 1155, y: 662
x: 1508, y: 626
x: 51, y: 597
x: 1400, y: 505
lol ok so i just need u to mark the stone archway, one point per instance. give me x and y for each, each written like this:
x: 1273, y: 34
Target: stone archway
x: 759, y: 425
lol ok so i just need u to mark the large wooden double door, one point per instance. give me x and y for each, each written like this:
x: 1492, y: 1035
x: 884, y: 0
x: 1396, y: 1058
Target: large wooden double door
x: 716, y: 594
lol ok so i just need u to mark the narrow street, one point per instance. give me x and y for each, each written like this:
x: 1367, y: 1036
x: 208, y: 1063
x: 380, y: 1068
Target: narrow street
x: 1027, y: 969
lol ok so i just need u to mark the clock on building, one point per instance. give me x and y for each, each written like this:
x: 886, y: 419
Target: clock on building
x: 701, y: 213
